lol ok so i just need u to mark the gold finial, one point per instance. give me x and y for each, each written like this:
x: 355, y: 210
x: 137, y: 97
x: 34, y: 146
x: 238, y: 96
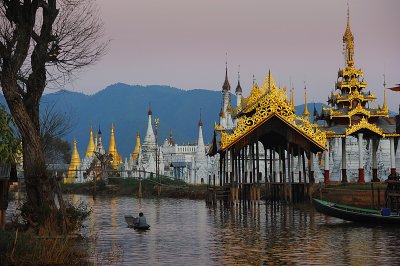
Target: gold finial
x: 292, y: 97
x: 384, y: 107
x: 348, y: 41
x: 269, y: 80
x: 306, y: 113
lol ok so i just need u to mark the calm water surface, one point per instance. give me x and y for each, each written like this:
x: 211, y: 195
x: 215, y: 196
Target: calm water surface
x: 188, y: 232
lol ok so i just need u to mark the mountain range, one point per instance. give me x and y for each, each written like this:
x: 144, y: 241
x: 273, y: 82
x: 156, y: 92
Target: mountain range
x: 127, y: 106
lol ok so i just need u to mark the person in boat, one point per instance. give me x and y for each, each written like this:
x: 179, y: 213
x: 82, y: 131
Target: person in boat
x: 141, y: 221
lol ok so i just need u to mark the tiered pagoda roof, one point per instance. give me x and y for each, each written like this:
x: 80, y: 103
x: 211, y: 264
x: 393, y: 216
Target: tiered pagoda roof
x: 349, y: 110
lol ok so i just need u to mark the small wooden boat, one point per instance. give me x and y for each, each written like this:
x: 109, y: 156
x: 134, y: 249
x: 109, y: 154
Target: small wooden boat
x: 355, y: 214
x: 133, y: 223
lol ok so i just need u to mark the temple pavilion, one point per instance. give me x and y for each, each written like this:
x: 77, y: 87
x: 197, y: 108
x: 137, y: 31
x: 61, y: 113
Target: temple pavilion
x: 350, y: 115
x: 264, y: 141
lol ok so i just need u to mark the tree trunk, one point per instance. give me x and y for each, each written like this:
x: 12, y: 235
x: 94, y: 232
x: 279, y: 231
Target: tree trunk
x: 39, y: 187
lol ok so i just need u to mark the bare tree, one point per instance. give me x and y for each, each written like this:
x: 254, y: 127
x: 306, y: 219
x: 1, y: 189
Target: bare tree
x: 43, y: 42
x: 54, y: 125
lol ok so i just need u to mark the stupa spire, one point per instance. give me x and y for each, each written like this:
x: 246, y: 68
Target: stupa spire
x: 113, y: 149
x: 384, y: 107
x: 200, y: 121
x: 137, y: 147
x: 238, y: 87
x: 171, y: 141
x: 348, y: 42
x: 91, y: 146
x: 226, y: 86
x: 292, y: 97
x: 306, y: 113
x: 75, y: 163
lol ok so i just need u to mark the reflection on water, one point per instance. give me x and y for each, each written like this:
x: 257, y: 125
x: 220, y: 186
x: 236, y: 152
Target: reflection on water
x: 187, y: 232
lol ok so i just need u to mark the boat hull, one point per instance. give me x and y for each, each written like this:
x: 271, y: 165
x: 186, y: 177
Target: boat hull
x: 132, y: 223
x: 354, y: 214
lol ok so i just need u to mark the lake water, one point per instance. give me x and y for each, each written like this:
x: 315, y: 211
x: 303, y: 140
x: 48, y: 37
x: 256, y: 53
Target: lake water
x: 188, y: 232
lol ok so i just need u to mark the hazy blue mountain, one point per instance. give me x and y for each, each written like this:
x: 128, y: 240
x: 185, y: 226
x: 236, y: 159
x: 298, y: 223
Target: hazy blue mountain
x: 127, y: 106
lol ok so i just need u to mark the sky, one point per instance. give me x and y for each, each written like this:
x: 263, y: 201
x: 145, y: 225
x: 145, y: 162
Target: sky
x: 185, y: 44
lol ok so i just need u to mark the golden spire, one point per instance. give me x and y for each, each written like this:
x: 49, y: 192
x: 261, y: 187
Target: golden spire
x: 137, y: 147
x: 113, y: 149
x: 171, y: 141
x: 91, y: 147
x: 306, y: 113
x: 384, y: 107
x: 348, y: 42
x: 73, y: 166
x: 292, y: 97
x: 269, y: 80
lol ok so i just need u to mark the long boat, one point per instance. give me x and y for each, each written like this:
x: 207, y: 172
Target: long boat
x: 356, y: 214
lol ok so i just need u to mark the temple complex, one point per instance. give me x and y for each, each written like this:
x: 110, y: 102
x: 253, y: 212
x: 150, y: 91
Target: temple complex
x: 261, y: 139
x: 187, y: 162
x: 357, y: 133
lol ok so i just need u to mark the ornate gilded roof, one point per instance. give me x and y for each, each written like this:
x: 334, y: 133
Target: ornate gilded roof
x: 364, y: 124
x: 262, y: 104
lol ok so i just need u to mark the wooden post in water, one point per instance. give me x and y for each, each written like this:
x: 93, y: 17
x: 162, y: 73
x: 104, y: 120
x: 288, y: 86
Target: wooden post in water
x: 379, y: 198
x: 140, y: 187
x: 94, y: 185
x: 372, y: 198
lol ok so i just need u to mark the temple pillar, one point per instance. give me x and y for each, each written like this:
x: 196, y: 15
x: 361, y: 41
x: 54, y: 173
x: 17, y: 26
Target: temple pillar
x: 274, y: 164
x: 265, y: 165
x: 361, y: 178
x: 280, y: 164
x: 246, y: 166
x: 312, y: 179
x: 221, y: 158
x: 292, y: 164
x: 392, y: 158
x: 257, y: 163
x: 326, y: 165
x: 299, y: 162
x: 344, y: 174
x: 374, y: 162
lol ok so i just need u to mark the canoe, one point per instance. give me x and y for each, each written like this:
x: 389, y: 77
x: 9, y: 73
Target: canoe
x: 132, y: 223
x: 354, y: 214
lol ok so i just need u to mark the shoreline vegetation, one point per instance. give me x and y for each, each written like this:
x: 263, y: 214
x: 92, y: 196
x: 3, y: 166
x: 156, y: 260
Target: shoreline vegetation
x: 173, y: 188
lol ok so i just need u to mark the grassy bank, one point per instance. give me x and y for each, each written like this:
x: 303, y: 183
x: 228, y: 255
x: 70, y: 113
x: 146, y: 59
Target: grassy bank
x: 25, y: 248
x: 130, y: 187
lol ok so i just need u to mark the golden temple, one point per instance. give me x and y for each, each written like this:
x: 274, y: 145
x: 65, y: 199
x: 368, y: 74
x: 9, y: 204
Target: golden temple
x: 349, y: 113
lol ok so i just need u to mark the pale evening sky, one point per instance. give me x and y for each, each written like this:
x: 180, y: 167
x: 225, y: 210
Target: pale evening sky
x: 183, y: 43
